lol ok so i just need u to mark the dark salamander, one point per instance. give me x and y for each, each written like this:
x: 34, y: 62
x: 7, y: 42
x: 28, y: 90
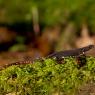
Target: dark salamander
x: 58, y: 55
x: 73, y: 53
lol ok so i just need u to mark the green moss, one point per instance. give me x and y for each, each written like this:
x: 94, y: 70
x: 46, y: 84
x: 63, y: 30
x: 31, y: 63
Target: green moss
x: 47, y: 77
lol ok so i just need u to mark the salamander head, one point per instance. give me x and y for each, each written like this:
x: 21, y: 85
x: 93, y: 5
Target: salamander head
x: 91, y: 46
x: 87, y: 48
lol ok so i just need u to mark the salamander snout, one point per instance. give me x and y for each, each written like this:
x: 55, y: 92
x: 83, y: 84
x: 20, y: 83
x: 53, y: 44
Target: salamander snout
x: 91, y: 46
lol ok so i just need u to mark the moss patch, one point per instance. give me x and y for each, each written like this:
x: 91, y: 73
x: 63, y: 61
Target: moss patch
x: 47, y: 77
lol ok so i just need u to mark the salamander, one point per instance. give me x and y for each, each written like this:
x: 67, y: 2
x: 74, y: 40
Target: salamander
x: 58, y: 55
x: 73, y: 53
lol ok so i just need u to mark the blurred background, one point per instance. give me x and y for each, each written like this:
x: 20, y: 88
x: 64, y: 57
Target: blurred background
x: 35, y: 28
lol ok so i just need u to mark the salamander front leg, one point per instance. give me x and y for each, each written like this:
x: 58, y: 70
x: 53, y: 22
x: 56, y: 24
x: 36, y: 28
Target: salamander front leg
x: 59, y: 60
x: 81, y: 61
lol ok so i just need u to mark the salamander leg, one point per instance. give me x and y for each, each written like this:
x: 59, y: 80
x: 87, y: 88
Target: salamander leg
x: 81, y: 61
x: 59, y: 60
